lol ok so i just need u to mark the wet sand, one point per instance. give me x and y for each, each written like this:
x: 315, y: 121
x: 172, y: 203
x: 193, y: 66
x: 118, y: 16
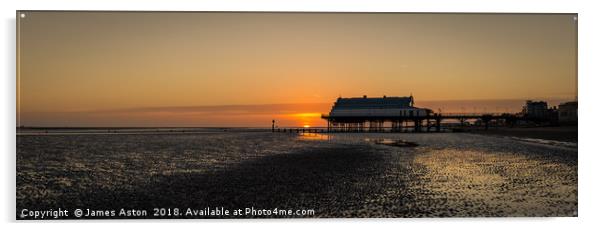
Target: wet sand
x: 341, y: 175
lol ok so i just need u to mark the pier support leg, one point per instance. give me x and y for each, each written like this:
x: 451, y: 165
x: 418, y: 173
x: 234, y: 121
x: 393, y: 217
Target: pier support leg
x: 417, y: 123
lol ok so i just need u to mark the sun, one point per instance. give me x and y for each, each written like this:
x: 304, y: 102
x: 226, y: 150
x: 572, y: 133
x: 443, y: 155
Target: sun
x: 305, y: 120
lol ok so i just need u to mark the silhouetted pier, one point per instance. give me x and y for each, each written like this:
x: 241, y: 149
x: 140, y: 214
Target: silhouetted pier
x: 394, y: 114
x: 422, y: 123
x: 428, y: 123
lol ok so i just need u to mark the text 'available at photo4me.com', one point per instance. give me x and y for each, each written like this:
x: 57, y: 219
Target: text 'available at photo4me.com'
x: 207, y: 212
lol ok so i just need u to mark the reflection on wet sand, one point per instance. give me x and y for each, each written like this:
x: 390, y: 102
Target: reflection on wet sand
x: 313, y: 136
x: 478, y: 183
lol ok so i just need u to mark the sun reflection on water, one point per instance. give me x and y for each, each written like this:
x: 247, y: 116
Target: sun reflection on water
x: 313, y: 136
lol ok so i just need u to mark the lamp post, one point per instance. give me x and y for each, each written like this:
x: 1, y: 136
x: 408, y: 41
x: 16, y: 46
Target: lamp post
x: 273, y: 122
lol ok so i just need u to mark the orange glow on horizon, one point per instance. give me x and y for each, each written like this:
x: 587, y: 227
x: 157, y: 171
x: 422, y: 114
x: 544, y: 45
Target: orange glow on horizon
x: 307, y: 114
x: 307, y: 119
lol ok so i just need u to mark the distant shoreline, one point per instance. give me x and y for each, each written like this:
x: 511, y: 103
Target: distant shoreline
x: 560, y: 133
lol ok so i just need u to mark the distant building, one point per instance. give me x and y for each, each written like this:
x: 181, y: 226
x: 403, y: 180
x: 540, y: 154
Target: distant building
x: 567, y: 113
x: 536, y: 109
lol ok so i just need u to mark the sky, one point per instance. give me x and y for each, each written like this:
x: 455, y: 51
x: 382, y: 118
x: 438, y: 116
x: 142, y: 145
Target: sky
x: 245, y: 69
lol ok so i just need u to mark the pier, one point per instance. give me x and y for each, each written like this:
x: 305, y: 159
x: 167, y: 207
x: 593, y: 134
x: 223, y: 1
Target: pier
x: 395, y: 114
x: 403, y: 124
x: 399, y: 114
x: 411, y: 123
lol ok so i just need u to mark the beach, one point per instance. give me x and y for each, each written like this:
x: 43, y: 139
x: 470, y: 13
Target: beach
x: 335, y: 175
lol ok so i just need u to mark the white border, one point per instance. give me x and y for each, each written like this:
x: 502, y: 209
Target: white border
x: 589, y: 93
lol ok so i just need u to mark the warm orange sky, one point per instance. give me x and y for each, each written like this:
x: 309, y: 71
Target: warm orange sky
x: 111, y: 68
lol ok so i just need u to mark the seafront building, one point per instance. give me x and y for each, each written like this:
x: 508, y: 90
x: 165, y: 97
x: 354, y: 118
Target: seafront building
x: 567, y: 113
x: 536, y: 109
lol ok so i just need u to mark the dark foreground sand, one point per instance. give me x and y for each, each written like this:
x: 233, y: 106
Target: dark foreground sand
x: 345, y: 175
